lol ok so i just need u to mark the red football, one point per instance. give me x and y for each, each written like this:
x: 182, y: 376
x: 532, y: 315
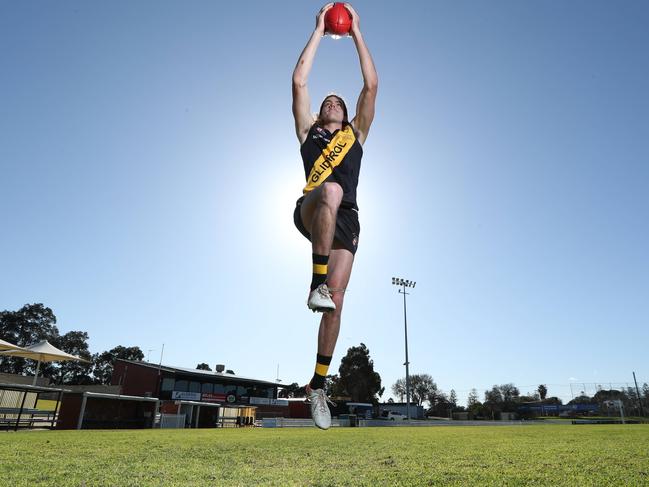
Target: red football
x: 338, y: 20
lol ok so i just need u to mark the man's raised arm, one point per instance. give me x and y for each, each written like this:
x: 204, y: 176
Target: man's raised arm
x: 301, y: 101
x: 365, y: 106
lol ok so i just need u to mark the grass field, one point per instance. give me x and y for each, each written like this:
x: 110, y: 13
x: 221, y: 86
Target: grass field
x: 46, y: 405
x: 568, y: 455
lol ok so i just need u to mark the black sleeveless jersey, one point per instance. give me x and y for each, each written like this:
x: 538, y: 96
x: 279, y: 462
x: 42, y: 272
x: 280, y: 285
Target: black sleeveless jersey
x: 345, y: 174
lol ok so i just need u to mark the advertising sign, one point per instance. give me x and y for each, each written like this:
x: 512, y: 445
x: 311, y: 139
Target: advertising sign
x: 259, y: 400
x: 186, y: 396
x: 213, y: 397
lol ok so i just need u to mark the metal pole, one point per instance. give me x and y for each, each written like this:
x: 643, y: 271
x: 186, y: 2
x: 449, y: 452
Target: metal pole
x: 159, y: 386
x: 404, y: 284
x: 82, y: 413
x: 38, y: 366
x: 405, y: 328
x: 20, y: 413
x: 638, y: 393
x: 619, y: 403
x: 56, y: 410
x: 155, y: 414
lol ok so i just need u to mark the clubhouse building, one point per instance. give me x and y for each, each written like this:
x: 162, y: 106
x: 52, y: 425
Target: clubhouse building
x: 193, y: 388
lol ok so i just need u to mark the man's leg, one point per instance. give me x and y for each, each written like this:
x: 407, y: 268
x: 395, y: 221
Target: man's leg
x: 318, y: 213
x: 340, y: 269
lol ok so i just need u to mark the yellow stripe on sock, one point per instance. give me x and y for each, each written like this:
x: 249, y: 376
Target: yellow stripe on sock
x: 321, y: 369
x: 320, y: 269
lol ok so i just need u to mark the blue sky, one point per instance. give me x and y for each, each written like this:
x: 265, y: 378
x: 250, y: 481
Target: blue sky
x: 149, y: 170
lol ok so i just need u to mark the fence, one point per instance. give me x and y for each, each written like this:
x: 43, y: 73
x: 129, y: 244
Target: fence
x: 13, y: 399
x: 18, y: 404
x: 293, y: 423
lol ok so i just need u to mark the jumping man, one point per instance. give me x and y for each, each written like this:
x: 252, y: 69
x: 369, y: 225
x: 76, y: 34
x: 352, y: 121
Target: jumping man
x: 327, y: 213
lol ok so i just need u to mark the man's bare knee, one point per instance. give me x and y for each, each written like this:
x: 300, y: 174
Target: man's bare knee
x: 331, y: 194
x: 338, y: 299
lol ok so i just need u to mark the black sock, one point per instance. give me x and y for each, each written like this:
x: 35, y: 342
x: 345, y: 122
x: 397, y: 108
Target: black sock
x: 321, y: 368
x: 319, y: 270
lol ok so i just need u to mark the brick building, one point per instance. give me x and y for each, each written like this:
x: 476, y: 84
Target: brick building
x: 178, y: 384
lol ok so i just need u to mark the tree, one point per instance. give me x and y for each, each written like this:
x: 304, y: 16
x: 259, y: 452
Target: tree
x: 452, y: 398
x: 472, y: 400
x: 543, y: 391
x: 504, y: 397
x: 607, y: 395
x: 333, y: 387
x: 493, y: 401
x: 582, y: 399
x: 103, y: 363
x: 441, y: 406
x: 603, y: 397
x: 357, y: 376
x: 291, y: 390
x: 473, y: 404
x: 493, y: 396
x: 530, y: 397
x: 399, y: 389
x: 422, y: 388
x: 510, y: 393
x: 203, y: 366
x: 71, y: 372
x: 27, y: 326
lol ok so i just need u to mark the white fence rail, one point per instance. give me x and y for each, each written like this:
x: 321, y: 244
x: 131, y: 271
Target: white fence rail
x: 335, y: 422
x: 296, y: 423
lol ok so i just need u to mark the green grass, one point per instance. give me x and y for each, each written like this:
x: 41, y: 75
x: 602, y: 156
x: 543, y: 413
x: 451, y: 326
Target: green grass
x: 46, y: 405
x: 466, y: 455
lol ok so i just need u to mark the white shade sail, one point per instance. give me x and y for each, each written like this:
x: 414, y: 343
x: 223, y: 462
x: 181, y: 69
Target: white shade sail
x: 8, y: 346
x: 43, y: 352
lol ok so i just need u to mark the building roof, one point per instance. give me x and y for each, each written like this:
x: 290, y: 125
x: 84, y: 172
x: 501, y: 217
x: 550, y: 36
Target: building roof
x: 202, y: 374
x: 29, y: 388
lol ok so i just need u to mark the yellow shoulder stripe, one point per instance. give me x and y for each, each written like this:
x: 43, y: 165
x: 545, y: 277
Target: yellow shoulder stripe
x: 331, y: 157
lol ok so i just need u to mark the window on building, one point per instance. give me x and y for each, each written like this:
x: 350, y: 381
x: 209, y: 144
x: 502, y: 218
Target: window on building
x: 207, y: 388
x: 168, y: 384
x: 260, y: 391
x: 182, y: 386
x: 219, y: 388
x: 256, y: 391
x: 194, y: 386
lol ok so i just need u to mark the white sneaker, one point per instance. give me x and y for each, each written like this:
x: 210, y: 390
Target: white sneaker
x: 320, y: 300
x: 319, y: 409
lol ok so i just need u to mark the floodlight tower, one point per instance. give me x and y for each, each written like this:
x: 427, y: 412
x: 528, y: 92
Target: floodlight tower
x: 404, y: 283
